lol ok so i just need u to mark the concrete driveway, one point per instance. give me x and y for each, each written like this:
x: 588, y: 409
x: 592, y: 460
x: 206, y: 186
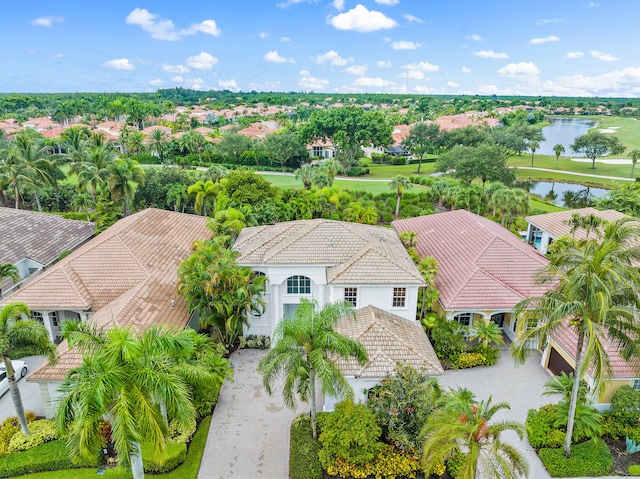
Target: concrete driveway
x: 30, y: 393
x: 249, y: 434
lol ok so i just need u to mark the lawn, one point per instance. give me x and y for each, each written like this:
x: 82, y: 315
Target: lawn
x: 629, y: 132
x: 373, y: 187
x: 543, y: 206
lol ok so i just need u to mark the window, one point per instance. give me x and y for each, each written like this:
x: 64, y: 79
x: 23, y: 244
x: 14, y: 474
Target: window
x: 399, y: 297
x: 32, y: 270
x: 54, y: 318
x: 3, y: 375
x: 37, y: 316
x: 351, y: 295
x: 635, y: 384
x: 463, y: 318
x: 298, y: 285
x: 317, y: 151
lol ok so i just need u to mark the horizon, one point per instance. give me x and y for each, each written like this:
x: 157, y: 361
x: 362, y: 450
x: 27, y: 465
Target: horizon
x: 564, y: 49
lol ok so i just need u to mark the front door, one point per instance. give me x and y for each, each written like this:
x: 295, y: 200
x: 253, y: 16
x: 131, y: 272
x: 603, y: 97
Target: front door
x: 498, y: 318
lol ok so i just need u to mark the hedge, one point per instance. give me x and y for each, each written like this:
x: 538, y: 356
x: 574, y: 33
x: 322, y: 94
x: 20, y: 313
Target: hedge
x: 303, y: 460
x: 48, y: 457
x: 589, y: 459
x: 634, y: 470
x: 176, y: 455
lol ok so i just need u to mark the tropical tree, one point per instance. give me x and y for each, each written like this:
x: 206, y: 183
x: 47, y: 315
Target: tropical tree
x: 486, y: 332
x: 124, y: 174
x: 177, y: 196
x: 81, y: 202
x: 158, y: 142
x: 399, y: 183
x: 595, y: 291
x: 306, y: 347
x: 558, y: 149
x: 362, y: 211
x: 306, y: 173
x: 204, y: 191
x: 428, y: 294
x: 635, y: 156
x: 595, y: 144
x: 136, y: 379
x: 16, y: 329
x: 228, y: 224
x: 533, y: 147
x: 464, y: 427
x: 93, y: 173
x: 421, y: 139
x: 409, y: 239
x: 135, y: 142
x: 192, y: 142
x: 285, y: 146
x: 10, y: 271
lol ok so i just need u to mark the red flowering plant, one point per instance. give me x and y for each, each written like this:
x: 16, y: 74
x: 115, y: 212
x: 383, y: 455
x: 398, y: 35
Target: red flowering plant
x: 401, y: 404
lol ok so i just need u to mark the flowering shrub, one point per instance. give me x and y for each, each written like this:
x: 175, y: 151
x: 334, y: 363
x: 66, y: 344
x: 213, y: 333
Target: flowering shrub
x: 41, y: 431
x: 388, y: 463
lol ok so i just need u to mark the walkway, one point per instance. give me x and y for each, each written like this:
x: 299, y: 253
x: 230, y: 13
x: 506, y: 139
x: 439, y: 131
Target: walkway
x: 249, y: 434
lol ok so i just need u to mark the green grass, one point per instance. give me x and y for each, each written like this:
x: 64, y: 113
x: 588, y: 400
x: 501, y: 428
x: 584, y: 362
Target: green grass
x: 187, y: 470
x: 373, y: 187
x: 389, y: 171
x: 629, y: 132
x: 543, y: 206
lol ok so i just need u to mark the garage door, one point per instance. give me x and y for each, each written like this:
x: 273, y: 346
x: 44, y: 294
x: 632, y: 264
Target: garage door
x: 557, y: 364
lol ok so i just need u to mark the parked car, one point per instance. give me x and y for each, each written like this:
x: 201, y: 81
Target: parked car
x: 20, y: 367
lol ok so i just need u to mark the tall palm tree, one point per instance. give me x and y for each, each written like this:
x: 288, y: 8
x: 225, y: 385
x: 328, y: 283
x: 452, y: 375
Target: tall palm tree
x: 124, y: 174
x: 135, y: 142
x: 533, y: 147
x: 32, y: 158
x: 635, y: 156
x: 16, y: 329
x: 596, y: 286
x: 558, y: 149
x: 193, y: 142
x: 399, y: 183
x: 158, y: 141
x: 306, y: 174
x: 463, y: 426
x: 306, y: 346
x: 204, y: 191
x: 94, y: 172
x: 131, y: 378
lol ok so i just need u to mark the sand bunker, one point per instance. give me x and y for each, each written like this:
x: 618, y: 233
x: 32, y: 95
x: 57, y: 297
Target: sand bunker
x: 613, y: 129
x: 612, y: 161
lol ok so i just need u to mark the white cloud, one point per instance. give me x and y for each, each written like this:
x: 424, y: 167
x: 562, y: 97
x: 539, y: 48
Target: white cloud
x: 264, y: 35
x: 465, y: 70
x: 592, y: 4
x: 487, y: 90
x: 387, y: 2
x: 422, y: 66
x: 619, y: 83
x: 164, y: 29
x: 47, y: 21
x: 156, y: 82
x: 371, y: 82
x: 405, y: 45
x: 285, y: 39
x: 360, y: 19
x: 412, y: 18
x: 288, y: 3
x: 519, y: 70
x: 540, y: 40
x: 546, y: 21
x: 424, y: 90
x: 475, y: 37
x: 175, y: 68
x: 275, y: 57
x: 177, y: 79
x: 338, y: 5
x: 308, y: 82
x: 491, y: 55
x: 203, y: 61
x: 332, y: 58
x: 356, y: 70
x: 57, y: 56
x: 230, y: 85
x: 119, y: 64
x: 453, y: 84
x: 603, y: 57
x: 383, y: 64
x: 196, y: 84
x: 413, y: 74
x: 573, y: 55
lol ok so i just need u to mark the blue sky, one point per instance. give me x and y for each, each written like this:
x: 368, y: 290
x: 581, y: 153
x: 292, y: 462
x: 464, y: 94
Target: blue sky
x: 506, y: 47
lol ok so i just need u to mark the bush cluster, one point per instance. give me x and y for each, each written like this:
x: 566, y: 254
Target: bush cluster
x: 253, y: 341
x: 470, y: 360
x: 589, y: 459
x: 448, y: 340
x: 176, y: 453
x: 180, y: 434
x: 9, y: 427
x: 41, y: 431
x: 623, y: 418
x: 304, y: 463
x: 388, y: 463
x: 634, y: 470
x: 357, y: 171
x: 540, y: 427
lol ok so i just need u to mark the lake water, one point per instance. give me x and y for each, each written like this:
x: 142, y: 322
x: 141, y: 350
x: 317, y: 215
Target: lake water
x: 563, y: 131
x: 567, y: 195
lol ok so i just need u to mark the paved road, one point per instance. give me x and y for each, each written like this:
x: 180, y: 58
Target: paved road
x: 30, y: 393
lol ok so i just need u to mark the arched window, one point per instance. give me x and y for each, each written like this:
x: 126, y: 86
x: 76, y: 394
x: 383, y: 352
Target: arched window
x: 298, y: 285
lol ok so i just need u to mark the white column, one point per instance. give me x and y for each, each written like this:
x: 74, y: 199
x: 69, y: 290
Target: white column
x: 47, y: 324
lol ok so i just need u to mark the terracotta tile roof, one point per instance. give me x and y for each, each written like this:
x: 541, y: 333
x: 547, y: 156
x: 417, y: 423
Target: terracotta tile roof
x: 390, y: 341
x: 353, y: 253
x: 150, y: 129
x: 481, y: 265
x: 566, y: 337
x: 556, y: 223
x: 127, y: 275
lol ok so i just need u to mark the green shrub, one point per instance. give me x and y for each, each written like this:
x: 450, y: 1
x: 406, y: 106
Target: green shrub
x: 176, y: 453
x: 402, y: 403
x: 51, y: 456
x: 365, y: 162
x: 448, y: 340
x: 490, y: 353
x: 350, y: 433
x: 398, y: 160
x: 470, y: 360
x: 357, y: 171
x: 7, y: 429
x: 304, y: 462
x: 455, y: 463
x: 41, y: 432
x: 589, y: 459
x: 388, y: 463
x: 540, y: 429
x: 181, y: 434
x: 625, y: 406
x: 254, y: 342
x: 634, y: 470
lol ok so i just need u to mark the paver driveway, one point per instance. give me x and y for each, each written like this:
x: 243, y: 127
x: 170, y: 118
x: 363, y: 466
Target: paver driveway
x: 30, y: 393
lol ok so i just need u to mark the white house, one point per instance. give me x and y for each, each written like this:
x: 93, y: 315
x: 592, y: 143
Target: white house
x: 328, y: 261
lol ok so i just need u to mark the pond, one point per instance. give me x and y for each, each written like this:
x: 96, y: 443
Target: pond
x: 567, y: 195
x: 563, y: 131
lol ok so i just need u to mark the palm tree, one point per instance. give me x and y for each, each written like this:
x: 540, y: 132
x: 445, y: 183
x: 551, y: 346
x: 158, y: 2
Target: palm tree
x: 158, y: 141
x: 124, y: 174
x: 192, y: 141
x: 177, y: 196
x: 363, y: 212
x: 503, y: 200
x: 227, y: 223
x: 204, y: 191
x: 15, y: 329
x: 409, y: 239
x: 487, y: 332
x: 306, y: 174
x: 635, y: 156
x: 94, y: 172
x: 130, y: 378
x: 558, y: 149
x: 81, y: 202
x: 8, y: 270
x: 595, y: 292
x: 399, y: 183
x: 533, y: 146
x: 135, y: 142
x: 462, y: 426
x: 306, y: 346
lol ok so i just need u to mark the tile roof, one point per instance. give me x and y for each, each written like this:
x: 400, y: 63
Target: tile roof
x: 566, y: 337
x: 353, y: 253
x: 390, y: 341
x: 127, y: 275
x: 556, y: 223
x: 481, y: 265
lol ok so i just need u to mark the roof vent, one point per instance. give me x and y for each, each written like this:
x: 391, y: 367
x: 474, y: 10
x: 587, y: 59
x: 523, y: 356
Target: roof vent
x: 330, y: 241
